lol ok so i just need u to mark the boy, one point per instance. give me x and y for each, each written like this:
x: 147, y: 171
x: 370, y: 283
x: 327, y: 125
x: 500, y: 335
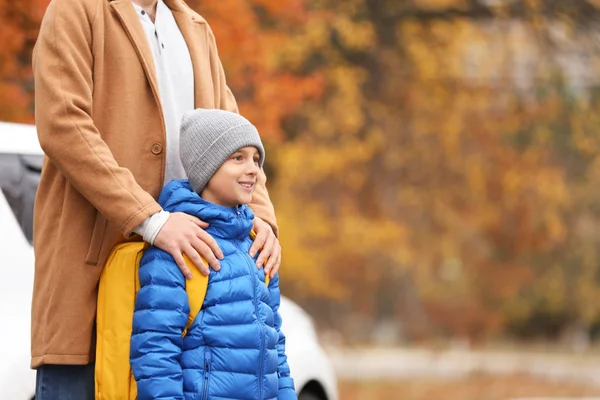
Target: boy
x: 234, y: 349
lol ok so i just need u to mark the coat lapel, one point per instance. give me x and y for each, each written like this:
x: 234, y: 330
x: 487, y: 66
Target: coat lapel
x: 132, y: 25
x: 192, y: 29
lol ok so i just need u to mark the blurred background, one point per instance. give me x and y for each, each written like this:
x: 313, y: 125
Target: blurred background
x: 435, y: 167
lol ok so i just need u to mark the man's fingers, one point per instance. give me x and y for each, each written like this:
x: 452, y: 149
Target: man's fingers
x: 197, y: 260
x: 207, y: 253
x: 185, y: 233
x: 275, y: 268
x: 266, y: 251
x: 274, y: 260
x: 259, y: 242
x: 178, y: 257
x: 199, y: 222
x: 212, y: 244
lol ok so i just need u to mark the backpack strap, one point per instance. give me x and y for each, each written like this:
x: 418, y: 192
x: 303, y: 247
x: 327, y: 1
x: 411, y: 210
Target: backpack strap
x: 139, y: 247
x: 196, y: 290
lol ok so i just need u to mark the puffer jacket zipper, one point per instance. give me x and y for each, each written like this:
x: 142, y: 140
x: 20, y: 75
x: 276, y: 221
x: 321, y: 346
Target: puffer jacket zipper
x: 206, y: 375
x: 255, y: 283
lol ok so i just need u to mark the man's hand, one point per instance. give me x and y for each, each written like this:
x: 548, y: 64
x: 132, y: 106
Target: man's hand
x: 266, y: 239
x: 183, y: 233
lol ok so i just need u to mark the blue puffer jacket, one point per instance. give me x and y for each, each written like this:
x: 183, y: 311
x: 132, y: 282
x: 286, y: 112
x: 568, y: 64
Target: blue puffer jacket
x: 234, y: 349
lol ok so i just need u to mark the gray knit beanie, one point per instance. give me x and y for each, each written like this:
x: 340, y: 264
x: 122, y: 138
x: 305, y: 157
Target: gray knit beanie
x: 208, y: 138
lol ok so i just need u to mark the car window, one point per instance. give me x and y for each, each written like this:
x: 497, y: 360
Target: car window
x: 19, y: 179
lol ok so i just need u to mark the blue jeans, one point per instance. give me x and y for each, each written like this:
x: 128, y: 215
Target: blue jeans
x: 65, y: 382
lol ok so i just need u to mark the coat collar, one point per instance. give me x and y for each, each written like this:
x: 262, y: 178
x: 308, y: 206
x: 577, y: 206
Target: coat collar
x: 192, y: 27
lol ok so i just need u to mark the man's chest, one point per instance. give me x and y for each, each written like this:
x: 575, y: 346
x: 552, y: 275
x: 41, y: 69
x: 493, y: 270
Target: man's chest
x: 169, y: 49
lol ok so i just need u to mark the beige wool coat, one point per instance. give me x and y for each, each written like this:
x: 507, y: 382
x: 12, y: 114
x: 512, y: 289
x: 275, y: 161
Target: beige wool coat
x: 100, y: 123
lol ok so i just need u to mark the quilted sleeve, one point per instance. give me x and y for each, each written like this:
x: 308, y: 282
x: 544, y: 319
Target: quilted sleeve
x: 160, y: 316
x: 286, y: 383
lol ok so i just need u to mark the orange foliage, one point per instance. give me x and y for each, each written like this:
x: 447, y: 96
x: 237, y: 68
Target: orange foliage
x: 19, y: 22
x: 251, y: 36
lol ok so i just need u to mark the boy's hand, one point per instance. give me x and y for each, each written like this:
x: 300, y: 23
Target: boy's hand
x: 183, y: 233
x: 266, y: 239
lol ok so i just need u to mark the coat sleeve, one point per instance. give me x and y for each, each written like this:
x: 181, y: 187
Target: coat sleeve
x: 261, y: 203
x: 160, y: 316
x: 286, y: 382
x: 62, y: 68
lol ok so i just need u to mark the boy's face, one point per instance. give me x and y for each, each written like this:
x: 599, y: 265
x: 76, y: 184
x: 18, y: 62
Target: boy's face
x: 234, y: 182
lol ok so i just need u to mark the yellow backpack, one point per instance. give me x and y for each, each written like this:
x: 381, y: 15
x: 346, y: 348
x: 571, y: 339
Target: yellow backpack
x: 119, y: 284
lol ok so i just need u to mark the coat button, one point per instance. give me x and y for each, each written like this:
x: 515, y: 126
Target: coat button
x: 157, y: 148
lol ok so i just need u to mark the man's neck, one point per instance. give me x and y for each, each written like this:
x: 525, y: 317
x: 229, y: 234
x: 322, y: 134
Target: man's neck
x: 149, y: 6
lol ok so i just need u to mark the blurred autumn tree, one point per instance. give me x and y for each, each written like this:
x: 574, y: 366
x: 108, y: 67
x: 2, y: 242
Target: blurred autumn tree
x: 434, y: 163
x: 429, y: 180
x: 250, y: 35
x: 18, y: 30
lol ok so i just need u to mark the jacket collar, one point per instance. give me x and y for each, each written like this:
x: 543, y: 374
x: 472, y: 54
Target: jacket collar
x: 225, y: 222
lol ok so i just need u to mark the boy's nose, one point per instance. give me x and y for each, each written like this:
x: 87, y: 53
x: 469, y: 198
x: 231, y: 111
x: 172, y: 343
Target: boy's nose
x: 252, y: 168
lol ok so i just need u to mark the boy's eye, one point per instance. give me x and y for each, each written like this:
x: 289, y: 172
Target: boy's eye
x: 237, y: 158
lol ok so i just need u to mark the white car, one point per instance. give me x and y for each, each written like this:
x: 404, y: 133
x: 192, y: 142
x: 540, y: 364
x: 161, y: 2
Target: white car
x: 20, y: 167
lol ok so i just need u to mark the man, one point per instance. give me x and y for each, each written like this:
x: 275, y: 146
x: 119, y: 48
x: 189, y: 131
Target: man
x: 112, y: 79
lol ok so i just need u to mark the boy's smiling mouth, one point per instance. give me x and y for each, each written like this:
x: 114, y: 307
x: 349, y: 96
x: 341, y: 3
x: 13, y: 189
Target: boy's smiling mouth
x: 247, y: 184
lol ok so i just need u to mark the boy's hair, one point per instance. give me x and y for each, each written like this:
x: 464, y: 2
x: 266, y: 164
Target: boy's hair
x: 208, y: 138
